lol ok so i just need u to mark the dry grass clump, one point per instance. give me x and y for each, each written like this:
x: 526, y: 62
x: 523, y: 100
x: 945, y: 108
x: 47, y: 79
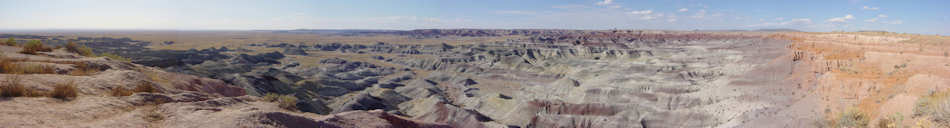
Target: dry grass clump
x: 141, y: 87
x: 892, y: 121
x: 288, y: 102
x: 10, y: 42
x: 144, y: 87
x: 65, y: 91
x: 79, y: 49
x: 83, y: 69
x: 851, y: 118
x: 121, y: 91
x: 34, y: 46
x: 153, y: 115
x: 12, y: 87
x: 936, y: 106
x: 8, y: 66
x: 156, y: 77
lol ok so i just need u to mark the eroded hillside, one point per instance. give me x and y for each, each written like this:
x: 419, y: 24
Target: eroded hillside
x: 563, y: 78
x: 57, y: 88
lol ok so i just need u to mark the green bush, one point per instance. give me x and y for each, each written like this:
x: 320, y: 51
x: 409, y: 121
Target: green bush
x: 852, y: 118
x: 937, y: 106
x: 288, y: 102
x: 34, y: 46
x: 78, y: 49
x: 11, y: 41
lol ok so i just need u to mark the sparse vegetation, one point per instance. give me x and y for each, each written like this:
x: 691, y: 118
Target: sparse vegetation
x: 65, y: 91
x: 83, y: 69
x: 936, y: 106
x: 12, y: 87
x: 144, y: 87
x: 153, y: 115
x: 141, y: 87
x: 288, y: 102
x: 27, y: 68
x: 155, y: 77
x: 892, y: 121
x: 10, y: 42
x: 121, y: 91
x: 8, y: 66
x: 78, y: 49
x: 34, y: 46
x: 115, y: 57
x: 851, y: 118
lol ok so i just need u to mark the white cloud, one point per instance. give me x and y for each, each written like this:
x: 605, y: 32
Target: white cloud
x: 869, y: 8
x: 700, y: 14
x: 894, y: 22
x: 648, y: 17
x: 515, y: 12
x: 683, y: 10
x: 605, y: 2
x: 799, y: 21
x: 646, y: 14
x: 841, y: 19
x: 642, y: 12
x: 671, y: 20
x: 572, y: 6
x: 780, y: 18
x: 872, y: 20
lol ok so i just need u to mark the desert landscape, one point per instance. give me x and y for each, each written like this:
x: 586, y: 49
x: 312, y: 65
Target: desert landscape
x: 477, y: 78
x: 474, y: 64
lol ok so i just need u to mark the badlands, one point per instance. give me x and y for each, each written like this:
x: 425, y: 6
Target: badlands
x: 474, y: 78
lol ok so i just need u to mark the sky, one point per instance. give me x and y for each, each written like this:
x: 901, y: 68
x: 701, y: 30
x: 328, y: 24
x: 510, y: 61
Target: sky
x: 905, y: 16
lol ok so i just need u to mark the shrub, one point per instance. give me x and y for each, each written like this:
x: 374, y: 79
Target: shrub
x: 34, y: 46
x: 121, y: 91
x: 144, y: 87
x: 852, y: 118
x: 153, y: 116
x: 11, y: 41
x: 271, y: 97
x: 12, y: 87
x: 115, y: 57
x: 64, y: 91
x: 288, y: 102
x: 7, y: 66
x: 83, y: 69
x: 892, y: 121
x: 937, y: 106
x: 78, y: 49
x: 34, y: 69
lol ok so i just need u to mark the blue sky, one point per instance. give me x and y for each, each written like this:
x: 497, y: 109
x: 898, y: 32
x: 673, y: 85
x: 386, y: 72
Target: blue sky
x: 909, y: 16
